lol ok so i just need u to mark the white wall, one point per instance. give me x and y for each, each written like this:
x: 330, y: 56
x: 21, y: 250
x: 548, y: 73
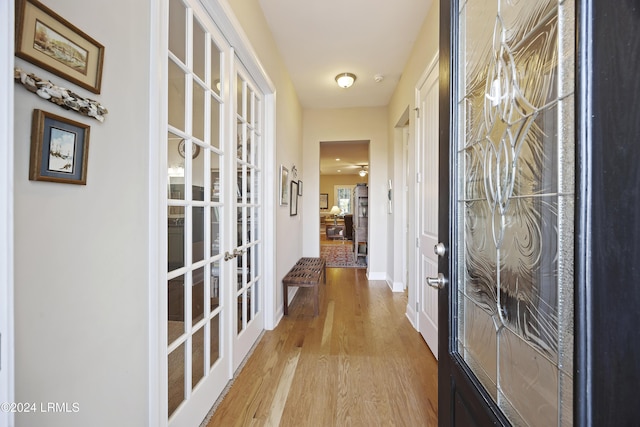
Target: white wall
x: 344, y: 125
x: 81, y: 280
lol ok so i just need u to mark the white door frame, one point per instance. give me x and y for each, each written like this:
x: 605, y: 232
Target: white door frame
x: 426, y: 262
x: 6, y: 213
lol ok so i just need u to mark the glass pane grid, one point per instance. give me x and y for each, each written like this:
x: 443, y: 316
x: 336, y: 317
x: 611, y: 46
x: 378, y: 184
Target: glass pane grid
x: 195, y: 204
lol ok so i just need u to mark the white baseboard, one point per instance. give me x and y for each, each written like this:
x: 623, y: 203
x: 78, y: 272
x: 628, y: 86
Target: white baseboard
x: 377, y: 275
x: 412, y: 316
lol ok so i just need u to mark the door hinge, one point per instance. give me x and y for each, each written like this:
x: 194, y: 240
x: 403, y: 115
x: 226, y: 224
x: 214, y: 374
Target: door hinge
x: 417, y: 242
x: 417, y: 306
x: 418, y: 177
x: 417, y: 110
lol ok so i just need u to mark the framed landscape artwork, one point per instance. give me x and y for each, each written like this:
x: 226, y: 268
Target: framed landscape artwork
x: 47, y: 40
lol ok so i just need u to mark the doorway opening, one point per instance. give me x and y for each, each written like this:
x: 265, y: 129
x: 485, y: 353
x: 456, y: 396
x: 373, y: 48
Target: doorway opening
x: 343, y: 216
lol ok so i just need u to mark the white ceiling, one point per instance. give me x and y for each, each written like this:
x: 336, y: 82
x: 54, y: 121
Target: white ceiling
x: 322, y: 38
x: 343, y: 157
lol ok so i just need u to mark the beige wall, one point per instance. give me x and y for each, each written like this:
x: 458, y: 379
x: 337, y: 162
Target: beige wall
x: 81, y: 264
x: 327, y: 183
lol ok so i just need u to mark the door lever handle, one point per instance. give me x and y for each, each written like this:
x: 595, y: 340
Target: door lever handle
x: 236, y: 252
x: 228, y: 256
x: 437, y: 282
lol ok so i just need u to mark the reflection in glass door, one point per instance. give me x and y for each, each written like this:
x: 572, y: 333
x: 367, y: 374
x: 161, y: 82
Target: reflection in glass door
x: 515, y: 204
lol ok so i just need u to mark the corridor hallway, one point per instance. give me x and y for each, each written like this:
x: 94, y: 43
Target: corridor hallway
x: 360, y: 363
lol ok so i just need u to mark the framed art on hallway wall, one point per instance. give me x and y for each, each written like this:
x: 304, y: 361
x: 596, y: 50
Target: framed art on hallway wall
x: 59, y: 149
x: 293, y: 207
x: 284, y: 186
x: 324, y: 201
x: 49, y: 41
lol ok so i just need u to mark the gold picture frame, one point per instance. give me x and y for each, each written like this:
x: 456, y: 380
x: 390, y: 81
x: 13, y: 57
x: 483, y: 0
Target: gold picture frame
x: 49, y: 41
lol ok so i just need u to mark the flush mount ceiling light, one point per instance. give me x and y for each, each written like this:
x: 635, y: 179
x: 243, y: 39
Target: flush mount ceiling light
x: 363, y: 172
x: 345, y: 80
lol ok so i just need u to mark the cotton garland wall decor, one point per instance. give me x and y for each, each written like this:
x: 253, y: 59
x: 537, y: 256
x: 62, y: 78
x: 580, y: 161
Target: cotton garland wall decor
x: 59, y: 95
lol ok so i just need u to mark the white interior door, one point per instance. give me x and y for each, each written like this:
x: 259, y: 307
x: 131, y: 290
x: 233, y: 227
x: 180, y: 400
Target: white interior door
x: 201, y: 200
x: 427, y: 206
x: 248, y: 242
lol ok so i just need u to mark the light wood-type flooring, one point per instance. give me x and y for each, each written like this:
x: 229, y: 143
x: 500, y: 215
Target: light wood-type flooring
x: 360, y: 363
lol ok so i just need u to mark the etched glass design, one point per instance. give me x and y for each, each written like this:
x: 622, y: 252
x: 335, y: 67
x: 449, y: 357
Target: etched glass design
x: 515, y: 198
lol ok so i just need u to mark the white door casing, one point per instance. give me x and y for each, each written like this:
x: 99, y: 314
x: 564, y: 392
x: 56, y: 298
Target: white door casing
x: 6, y: 212
x: 427, y: 206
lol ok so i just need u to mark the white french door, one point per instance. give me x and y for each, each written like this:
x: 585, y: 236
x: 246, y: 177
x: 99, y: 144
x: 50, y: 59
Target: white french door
x: 427, y: 167
x: 214, y: 306
x: 248, y: 244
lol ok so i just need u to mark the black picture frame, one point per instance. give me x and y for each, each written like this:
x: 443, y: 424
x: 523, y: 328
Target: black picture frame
x: 293, y: 205
x: 324, y: 201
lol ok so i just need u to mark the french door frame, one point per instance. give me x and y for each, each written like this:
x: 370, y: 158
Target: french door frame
x: 223, y: 17
x: 606, y: 367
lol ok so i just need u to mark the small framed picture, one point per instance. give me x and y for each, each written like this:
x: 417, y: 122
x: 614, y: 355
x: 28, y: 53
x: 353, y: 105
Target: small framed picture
x: 293, y: 207
x: 59, y: 149
x: 284, y: 186
x: 324, y: 201
x: 49, y: 41
x: 299, y: 188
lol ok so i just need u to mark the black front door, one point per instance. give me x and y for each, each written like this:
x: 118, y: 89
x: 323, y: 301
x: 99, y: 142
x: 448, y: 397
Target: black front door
x: 539, y: 197
x: 510, y: 157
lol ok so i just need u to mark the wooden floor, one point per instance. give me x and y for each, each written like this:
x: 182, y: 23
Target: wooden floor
x: 360, y: 363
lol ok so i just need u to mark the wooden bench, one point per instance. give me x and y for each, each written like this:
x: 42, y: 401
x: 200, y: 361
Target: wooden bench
x: 306, y: 273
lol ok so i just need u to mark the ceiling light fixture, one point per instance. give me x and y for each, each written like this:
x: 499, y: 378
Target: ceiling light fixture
x: 345, y: 80
x: 363, y: 172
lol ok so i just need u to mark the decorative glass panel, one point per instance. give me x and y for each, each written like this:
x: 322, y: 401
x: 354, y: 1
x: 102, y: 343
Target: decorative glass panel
x: 515, y: 198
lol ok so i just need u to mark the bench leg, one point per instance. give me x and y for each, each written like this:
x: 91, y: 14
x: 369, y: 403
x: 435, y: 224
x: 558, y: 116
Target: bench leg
x: 285, y: 297
x: 316, y: 295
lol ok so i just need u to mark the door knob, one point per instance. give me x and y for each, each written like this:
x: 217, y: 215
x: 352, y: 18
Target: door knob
x: 439, y: 249
x: 437, y: 282
x: 236, y: 252
x: 228, y: 256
